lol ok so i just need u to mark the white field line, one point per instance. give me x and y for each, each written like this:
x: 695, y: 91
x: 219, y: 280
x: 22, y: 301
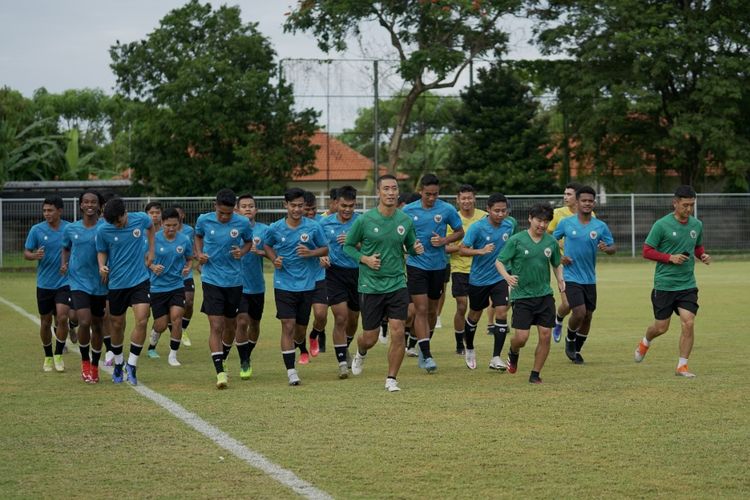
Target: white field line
x: 221, y: 438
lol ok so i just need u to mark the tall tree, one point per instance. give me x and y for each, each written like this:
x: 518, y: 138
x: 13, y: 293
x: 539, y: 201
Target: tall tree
x: 501, y: 141
x: 435, y: 40
x: 210, y: 113
x: 654, y: 83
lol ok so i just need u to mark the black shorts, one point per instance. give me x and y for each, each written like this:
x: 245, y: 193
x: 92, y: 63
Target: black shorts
x: 220, y: 300
x: 189, y: 285
x: 341, y: 284
x: 83, y: 300
x: 460, y: 284
x: 46, y: 298
x: 447, y: 276
x: 320, y: 294
x: 479, y: 296
x: 666, y: 303
x: 252, y: 304
x: 376, y: 306
x: 538, y: 311
x: 162, y: 302
x: 120, y: 300
x: 420, y: 282
x: 293, y: 305
x: 578, y: 295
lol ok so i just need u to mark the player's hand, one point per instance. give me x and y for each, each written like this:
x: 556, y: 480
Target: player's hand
x: 602, y: 246
x: 277, y: 262
x: 706, y: 259
x: 340, y: 239
x: 678, y: 258
x: 418, y: 247
x: 488, y: 248
x: 512, y: 280
x: 157, y: 269
x: 39, y: 254
x: 303, y: 251
x: 437, y: 240
x: 371, y: 261
x: 104, y: 273
x: 325, y: 261
x: 236, y: 252
x: 565, y: 260
x: 202, y: 258
x: 186, y: 269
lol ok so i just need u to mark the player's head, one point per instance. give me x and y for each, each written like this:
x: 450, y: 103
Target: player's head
x: 115, y: 212
x: 429, y: 188
x: 497, y: 208
x: 180, y: 211
x: 224, y: 204
x: 466, y: 198
x: 52, y: 208
x: 569, y: 193
x: 684, y: 202
x: 153, y: 209
x: 347, y: 202
x: 294, y: 202
x: 540, y: 215
x: 246, y: 206
x: 170, y: 221
x: 586, y: 199
x: 333, y: 200
x: 311, y: 205
x: 90, y: 203
x: 388, y: 190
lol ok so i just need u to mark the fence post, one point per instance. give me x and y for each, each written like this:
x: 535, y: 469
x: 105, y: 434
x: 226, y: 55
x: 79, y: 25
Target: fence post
x: 2, y: 241
x: 632, y: 224
x: 75, y: 209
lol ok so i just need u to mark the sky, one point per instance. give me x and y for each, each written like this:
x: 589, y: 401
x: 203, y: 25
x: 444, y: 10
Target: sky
x: 64, y: 44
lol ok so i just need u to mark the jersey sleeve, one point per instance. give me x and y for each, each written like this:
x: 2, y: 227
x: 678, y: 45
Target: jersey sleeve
x: 101, y: 243
x: 556, y: 257
x: 606, y: 235
x: 353, y: 237
x: 32, y: 240
x: 66, y: 240
x: 411, y: 238
x: 454, y: 220
x: 200, y: 228
x: 507, y: 253
x: 319, y: 237
x: 188, y: 247
x: 247, y: 231
x: 513, y: 223
x: 654, y: 236
x: 470, y: 236
x: 699, y: 238
x: 559, y: 232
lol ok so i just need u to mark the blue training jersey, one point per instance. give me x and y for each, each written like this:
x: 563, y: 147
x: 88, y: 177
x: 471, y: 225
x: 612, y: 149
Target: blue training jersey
x: 188, y: 231
x: 333, y: 227
x: 171, y: 255
x: 252, y: 263
x: 126, y: 254
x: 321, y: 274
x: 581, y: 246
x: 222, y: 269
x: 297, y: 274
x: 480, y: 234
x: 429, y: 221
x: 83, y: 268
x: 48, y: 269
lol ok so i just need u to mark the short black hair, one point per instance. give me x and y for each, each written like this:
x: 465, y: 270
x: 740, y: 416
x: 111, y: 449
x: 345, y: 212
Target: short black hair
x: 244, y: 196
x: 347, y: 193
x: 114, y: 209
x: 333, y: 194
x: 575, y: 186
x: 585, y: 190
x: 429, y: 180
x: 386, y: 177
x: 226, y: 198
x: 53, y: 200
x: 496, y: 198
x: 542, y: 211
x: 152, y: 204
x: 466, y: 188
x: 685, y: 191
x: 98, y: 195
x: 170, y: 213
x: 293, y: 193
x: 412, y: 197
x: 310, y: 199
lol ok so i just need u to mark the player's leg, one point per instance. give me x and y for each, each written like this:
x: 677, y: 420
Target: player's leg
x: 341, y: 326
x: 98, y: 305
x: 460, y: 292
x: 663, y: 305
x: 374, y: 308
x: 62, y: 311
x: 160, y: 304
x: 46, y: 307
x: 479, y: 299
x: 541, y: 352
x: 176, y: 312
x: 317, y: 334
x: 189, y: 306
x: 523, y: 316
x: 562, y: 310
x: 141, y: 312
x: 242, y: 337
x: 84, y: 319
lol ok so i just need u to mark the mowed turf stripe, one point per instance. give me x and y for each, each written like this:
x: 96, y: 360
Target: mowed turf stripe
x: 221, y: 438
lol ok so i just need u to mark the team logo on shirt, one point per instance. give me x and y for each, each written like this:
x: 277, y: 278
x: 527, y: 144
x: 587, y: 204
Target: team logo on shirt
x: 416, y: 218
x: 161, y: 249
x: 304, y: 237
x: 693, y: 234
x: 575, y: 232
x: 375, y: 230
x: 75, y: 236
x: 234, y: 233
x: 401, y: 230
x: 593, y: 235
x: 45, y: 238
x: 256, y: 240
x: 136, y: 233
x: 438, y: 218
x: 548, y: 252
x: 180, y: 249
x: 487, y: 238
x: 505, y: 237
x: 117, y: 239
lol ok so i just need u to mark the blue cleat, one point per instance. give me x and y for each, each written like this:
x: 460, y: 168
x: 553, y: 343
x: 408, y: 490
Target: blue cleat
x: 117, y: 374
x: 130, y: 371
x: 420, y: 358
x: 557, y: 332
x: 430, y: 365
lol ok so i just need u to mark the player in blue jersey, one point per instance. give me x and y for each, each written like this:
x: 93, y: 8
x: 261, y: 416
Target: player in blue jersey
x: 122, y: 259
x: 173, y: 253
x: 222, y: 237
x: 320, y: 295
x: 188, y: 231
x: 584, y: 236
x: 426, y: 272
x: 342, y: 276
x: 294, y: 244
x: 253, y: 288
x: 483, y: 242
x: 88, y: 293
x: 44, y: 244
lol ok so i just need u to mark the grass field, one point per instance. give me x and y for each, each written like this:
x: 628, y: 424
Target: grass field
x: 610, y: 428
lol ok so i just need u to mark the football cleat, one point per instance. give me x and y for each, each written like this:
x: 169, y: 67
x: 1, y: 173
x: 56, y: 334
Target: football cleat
x: 314, y: 347
x: 391, y: 385
x: 497, y: 363
x: 221, y: 380
x: 640, y: 351
x: 683, y: 371
x: 57, y: 360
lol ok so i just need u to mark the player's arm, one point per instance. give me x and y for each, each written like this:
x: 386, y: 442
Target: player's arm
x: 31, y: 251
x: 512, y: 280
x: 64, y: 259
x: 411, y: 243
x: 701, y: 254
x: 353, y: 240
x: 101, y: 258
x: 150, y: 234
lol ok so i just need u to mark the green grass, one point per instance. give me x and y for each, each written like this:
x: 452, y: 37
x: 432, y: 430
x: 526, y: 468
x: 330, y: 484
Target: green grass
x: 609, y: 428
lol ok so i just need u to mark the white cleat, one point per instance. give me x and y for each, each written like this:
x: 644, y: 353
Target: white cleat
x: 391, y: 385
x: 343, y: 370
x: 382, y: 337
x: 471, y: 359
x: 497, y: 363
x: 109, y: 358
x: 293, y: 377
x: 358, y: 363
x: 172, y: 360
x: 412, y: 352
x: 155, y: 337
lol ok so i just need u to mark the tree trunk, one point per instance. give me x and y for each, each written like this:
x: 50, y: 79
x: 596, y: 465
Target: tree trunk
x: 398, y: 131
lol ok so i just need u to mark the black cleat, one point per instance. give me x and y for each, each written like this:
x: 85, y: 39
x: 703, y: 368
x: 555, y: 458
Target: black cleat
x: 570, y: 349
x: 535, y: 379
x: 579, y: 359
x: 322, y: 342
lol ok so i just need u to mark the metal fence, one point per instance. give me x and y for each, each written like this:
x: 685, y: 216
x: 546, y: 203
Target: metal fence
x: 726, y: 217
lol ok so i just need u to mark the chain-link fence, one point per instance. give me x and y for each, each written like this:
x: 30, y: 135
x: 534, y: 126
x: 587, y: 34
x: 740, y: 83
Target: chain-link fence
x: 726, y: 217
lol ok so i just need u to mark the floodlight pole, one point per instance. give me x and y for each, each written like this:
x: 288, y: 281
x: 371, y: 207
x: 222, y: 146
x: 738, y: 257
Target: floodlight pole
x: 376, y: 130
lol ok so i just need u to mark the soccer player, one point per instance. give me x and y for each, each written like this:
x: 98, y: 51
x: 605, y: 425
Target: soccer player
x: 333, y: 202
x: 483, y: 242
x: 675, y: 242
x: 294, y: 244
x: 320, y: 296
x: 584, y: 236
x: 342, y: 276
x: 530, y: 254
x: 44, y: 244
x: 426, y: 272
x: 172, y: 262
x: 122, y: 259
x: 377, y: 241
x: 253, y: 288
x: 460, y: 264
x: 188, y: 231
x: 222, y: 237
x: 569, y: 208
x: 154, y: 209
x: 88, y: 293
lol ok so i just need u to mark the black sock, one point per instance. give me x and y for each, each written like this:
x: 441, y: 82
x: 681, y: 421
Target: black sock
x: 288, y: 359
x: 151, y: 346
x: 174, y: 344
x: 135, y: 349
x: 572, y: 334
x: 513, y: 356
x: 534, y: 375
x: 107, y: 343
x: 95, y: 356
x: 459, y: 340
x: 59, y: 347
x: 559, y: 319
x: 301, y: 346
x: 225, y: 349
x: 117, y: 350
x: 580, y: 340
x: 314, y: 334
x: 470, y: 330
x: 501, y: 331
x: 250, y: 346
x: 244, y: 351
x: 218, y: 359
x: 84, y: 350
x: 185, y: 323
x: 412, y: 342
x: 47, y: 350
x: 424, y: 346
x: 340, y: 353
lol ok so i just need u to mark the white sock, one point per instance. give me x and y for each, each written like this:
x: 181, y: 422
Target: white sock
x: 682, y: 362
x: 646, y: 342
x: 118, y: 359
x: 133, y: 359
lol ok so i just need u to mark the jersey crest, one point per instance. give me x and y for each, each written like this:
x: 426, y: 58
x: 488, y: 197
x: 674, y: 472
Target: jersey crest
x: 180, y: 249
x: 548, y: 252
x: 401, y: 230
x: 234, y: 233
x: 438, y: 218
x: 304, y: 237
x: 593, y: 235
x: 136, y: 233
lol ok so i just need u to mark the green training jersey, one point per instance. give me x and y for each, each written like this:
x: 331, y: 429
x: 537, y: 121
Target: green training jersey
x: 530, y: 261
x: 386, y: 236
x: 668, y: 235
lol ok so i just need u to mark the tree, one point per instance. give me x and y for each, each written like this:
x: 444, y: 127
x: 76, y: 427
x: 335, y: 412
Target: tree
x: 654, y: 83
x: 501, y: 142
x: 208, y: 114
x: 434, y: 39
